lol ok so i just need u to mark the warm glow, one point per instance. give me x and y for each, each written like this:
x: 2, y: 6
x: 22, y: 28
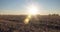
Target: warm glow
x: 33, y: 10
x: 26, y: 21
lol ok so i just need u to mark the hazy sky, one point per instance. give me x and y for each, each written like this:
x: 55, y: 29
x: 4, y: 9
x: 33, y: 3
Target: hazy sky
x: 19, y: 6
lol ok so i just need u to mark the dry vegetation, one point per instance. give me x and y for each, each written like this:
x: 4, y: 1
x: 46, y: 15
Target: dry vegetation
x: 14, y: 23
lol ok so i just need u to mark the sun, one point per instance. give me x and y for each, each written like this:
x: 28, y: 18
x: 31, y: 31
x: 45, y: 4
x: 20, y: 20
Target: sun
x: 33, y: 10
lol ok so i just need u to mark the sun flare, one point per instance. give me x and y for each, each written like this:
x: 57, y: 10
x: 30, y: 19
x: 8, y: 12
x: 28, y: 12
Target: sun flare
x: 33, y: 10
x: 26, y: 21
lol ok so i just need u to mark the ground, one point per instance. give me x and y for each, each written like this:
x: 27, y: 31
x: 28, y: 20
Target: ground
x: 15, y: 23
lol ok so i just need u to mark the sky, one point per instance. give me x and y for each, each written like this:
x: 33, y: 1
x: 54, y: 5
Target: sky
x: 18, y: 7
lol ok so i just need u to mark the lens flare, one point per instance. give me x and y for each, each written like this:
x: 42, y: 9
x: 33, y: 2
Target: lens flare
x: 32, y: 10
x: 26, y: 21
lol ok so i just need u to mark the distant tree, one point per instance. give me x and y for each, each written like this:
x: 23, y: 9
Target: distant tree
x: 49, y: 14
x: 55, y: 14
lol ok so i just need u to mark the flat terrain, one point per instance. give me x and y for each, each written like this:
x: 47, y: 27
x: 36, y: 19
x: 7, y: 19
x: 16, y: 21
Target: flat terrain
x: 37, y: 23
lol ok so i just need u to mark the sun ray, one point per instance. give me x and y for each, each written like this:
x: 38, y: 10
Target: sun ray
x: 32, y: 10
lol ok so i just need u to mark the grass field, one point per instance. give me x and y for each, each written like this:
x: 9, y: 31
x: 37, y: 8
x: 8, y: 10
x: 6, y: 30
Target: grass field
x: 37, y: 23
